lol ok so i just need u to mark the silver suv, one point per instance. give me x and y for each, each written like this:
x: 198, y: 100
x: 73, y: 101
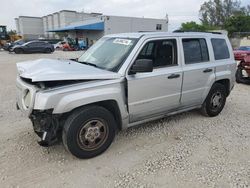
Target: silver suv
x: 121, y: 81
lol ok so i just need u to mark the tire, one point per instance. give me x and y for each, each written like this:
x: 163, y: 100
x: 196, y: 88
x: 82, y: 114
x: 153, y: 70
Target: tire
x: 47, y: 50
x: 238, y: 75
x: 240, y: 78
x: 215, y: 100
x: 80, y: 135
x: 18, y: 51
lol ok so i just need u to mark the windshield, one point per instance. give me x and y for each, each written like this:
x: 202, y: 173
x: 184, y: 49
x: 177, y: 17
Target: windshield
x: 108, y: 53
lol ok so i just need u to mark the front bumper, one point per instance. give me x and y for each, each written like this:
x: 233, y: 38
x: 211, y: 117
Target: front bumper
x: 46, y: 126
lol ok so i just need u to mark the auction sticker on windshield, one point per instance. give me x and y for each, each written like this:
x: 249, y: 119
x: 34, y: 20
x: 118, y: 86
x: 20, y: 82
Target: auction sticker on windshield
x: 122, y: 41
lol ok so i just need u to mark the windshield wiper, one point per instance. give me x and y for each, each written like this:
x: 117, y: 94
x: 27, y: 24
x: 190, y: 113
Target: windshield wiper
x: 87, y: 63
x: 84, y: 62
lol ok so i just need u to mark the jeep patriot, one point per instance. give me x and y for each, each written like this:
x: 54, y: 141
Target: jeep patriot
x: 121, y: 81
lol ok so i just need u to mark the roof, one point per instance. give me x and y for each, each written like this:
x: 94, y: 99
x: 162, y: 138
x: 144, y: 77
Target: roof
x: 30, y: 17
x: 67, y: 11
x: 163, y: 34
x: 99, y: 26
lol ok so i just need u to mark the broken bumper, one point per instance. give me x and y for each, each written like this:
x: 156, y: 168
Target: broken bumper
x: 46, y: 126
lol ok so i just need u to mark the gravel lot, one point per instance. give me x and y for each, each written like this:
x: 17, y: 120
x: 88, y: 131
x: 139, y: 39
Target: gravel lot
x: 185, y: 150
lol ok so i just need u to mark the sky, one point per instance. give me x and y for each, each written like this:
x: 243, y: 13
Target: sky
x: 178, y: 11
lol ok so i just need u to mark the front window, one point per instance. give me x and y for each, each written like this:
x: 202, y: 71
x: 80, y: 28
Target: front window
x: 162, y: 52
x: 108, y: 53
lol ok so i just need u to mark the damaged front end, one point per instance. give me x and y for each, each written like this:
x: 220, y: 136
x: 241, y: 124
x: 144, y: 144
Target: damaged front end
x: 46, y: 125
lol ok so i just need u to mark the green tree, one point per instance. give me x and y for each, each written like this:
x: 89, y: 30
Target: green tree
x: 193, y: 26
x: 216, y: 12
x: 238, y: 23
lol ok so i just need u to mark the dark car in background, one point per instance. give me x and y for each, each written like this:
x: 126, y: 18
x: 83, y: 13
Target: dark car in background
x: 10, y: 45
x: 241, y: 53
x: 33, y: 47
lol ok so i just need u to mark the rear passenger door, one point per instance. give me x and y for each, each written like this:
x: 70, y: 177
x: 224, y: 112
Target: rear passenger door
x: 198, y: 71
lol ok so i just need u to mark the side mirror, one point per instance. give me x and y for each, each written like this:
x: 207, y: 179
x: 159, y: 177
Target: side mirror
x: 142, y: 65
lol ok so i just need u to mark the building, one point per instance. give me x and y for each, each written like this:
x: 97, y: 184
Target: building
x: 87, y: 26
x: 29, y: 27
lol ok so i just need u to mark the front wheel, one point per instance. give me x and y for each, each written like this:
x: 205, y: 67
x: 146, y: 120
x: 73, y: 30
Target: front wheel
x: 18, y: 51
x: 215, y: 100
x: 89, y: 131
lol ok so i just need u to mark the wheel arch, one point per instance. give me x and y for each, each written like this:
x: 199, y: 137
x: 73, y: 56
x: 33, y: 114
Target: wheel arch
x: 111, y: 105
x: 226, y: 83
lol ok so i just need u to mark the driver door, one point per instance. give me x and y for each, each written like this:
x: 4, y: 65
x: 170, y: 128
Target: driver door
x: 155, y: 93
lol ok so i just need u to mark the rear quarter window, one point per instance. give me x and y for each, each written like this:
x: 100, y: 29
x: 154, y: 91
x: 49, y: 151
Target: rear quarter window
x: 220, y: 49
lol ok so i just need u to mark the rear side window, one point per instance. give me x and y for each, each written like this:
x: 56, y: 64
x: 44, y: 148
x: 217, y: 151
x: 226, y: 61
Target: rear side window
x: 195, y: 50
x: 220, y: 49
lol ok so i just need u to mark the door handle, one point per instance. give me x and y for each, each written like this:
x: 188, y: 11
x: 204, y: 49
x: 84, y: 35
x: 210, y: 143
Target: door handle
x: 208, y: 70
x: 173, y: 76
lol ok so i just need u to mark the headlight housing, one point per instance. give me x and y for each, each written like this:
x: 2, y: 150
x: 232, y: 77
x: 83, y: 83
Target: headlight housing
x: 27, y: 98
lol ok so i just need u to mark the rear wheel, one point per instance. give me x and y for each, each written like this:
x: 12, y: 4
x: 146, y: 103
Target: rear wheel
x: 18, y: 51
x: 89, y: 131
x: 215, y: 100
x: 48, y: 50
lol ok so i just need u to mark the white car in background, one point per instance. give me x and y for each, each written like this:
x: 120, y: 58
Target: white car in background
x: 59, y: 45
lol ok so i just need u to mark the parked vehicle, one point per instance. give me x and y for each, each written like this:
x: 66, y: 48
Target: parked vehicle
x: 82, y: 45
x: 7, y: 38
x: 243, y: 71
x: 33, y: 47
x: 241, y: 52
x: 73, y: 47
x: 4, y: 37
x: 69, y: 47
x: 121, y: 81
x: 59, y: 45
x: 10, y: 45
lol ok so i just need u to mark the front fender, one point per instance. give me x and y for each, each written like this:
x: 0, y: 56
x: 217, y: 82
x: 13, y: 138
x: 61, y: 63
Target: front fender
x: 74, y: 100
x: 67, y: 99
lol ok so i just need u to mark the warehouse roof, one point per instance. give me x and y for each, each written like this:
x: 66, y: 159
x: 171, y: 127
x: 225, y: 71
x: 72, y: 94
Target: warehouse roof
x: 93, y: 26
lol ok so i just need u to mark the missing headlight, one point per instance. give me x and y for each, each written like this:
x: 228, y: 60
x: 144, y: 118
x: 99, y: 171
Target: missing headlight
x: 27, y: 98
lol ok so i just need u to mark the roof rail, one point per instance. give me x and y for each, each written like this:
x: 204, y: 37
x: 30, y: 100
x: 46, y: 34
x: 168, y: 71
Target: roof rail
x: 181, y: 31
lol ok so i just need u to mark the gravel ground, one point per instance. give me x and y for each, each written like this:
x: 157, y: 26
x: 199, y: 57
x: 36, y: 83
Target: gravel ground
x: 185, y: 150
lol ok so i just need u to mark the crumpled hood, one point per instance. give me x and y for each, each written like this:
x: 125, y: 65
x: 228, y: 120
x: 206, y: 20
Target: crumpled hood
x: 55, y: 70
